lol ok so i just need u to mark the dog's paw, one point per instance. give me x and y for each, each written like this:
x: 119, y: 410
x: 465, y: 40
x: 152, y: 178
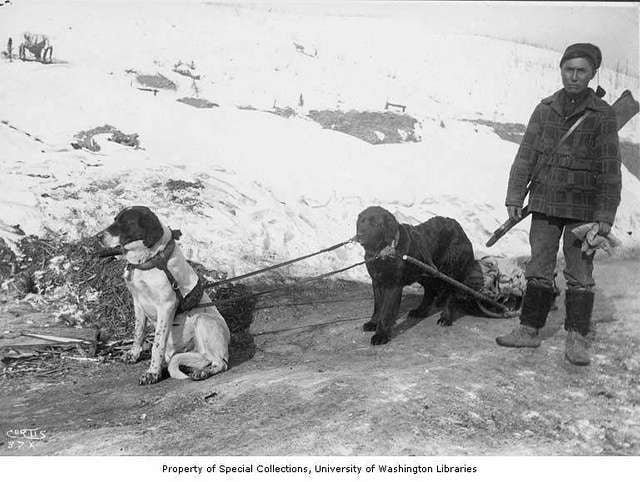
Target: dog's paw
x: 132, y: 356
x: 444, y: 320
x: 379, y: 339
x: 149, y: 378
x: 369, y: 326
x: 197, y: 375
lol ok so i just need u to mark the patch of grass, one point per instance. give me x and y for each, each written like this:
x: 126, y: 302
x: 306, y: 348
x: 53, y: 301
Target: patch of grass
x: 198, y: 103
x: 157, y: 81
x: 84, y: 139
x: 180, y: 185
x: 8, y: 261
x: 507, y: 131
x: 186, y: 193
x: 285, y: 112
x: 130, y: 140
x: 371, y: 127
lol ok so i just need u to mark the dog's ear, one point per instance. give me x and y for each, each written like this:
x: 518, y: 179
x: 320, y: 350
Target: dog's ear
x: 390, y: 227
x: 151, y: 228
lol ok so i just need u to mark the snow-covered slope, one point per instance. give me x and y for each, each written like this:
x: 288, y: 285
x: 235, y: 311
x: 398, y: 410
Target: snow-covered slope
x: 270, y: 187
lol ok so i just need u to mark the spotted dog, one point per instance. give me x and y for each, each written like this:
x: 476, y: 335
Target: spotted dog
x: 166, y: 291
x: 440, y: 242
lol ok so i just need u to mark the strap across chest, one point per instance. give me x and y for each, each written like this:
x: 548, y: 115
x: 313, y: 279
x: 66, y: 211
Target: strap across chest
x: 160, y: 261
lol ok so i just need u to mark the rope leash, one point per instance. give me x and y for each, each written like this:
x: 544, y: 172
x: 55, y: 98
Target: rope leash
x: 279, y: 288
x: 490, y: 314
x: 506, y: 313
x: 279, y: 265
x: 111, y: 252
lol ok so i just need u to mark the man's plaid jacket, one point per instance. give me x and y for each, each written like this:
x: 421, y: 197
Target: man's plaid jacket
x: 581, y: 180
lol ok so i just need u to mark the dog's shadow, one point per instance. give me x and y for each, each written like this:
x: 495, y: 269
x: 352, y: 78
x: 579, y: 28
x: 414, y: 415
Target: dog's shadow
x: 405, y: 322
x: 242, y: 348
x: 237, y: 306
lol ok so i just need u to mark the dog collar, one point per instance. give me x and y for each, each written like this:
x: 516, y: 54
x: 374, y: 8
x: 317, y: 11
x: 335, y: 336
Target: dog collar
x: 387, y: 251
x: 160, y: 260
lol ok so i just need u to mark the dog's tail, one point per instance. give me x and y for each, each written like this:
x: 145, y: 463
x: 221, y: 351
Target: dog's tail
x: 192, y: 360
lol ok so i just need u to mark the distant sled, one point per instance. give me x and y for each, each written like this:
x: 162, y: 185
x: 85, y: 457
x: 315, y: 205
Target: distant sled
x: 36, y: 47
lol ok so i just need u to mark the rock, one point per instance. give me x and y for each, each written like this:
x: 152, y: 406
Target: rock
x: 530, y: 415
x: 631, y: 364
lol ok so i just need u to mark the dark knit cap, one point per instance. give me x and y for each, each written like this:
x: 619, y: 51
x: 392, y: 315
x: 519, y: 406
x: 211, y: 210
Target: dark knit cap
x: 586, y: 51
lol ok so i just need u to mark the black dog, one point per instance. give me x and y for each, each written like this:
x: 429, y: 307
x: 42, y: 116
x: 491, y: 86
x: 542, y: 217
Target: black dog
x: 439, y: 242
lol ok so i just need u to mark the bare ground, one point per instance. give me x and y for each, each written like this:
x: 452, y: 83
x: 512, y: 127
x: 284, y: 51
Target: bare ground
x: 316, y: 387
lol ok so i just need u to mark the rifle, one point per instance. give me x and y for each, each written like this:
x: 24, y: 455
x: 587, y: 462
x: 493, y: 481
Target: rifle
x: 625, y: 108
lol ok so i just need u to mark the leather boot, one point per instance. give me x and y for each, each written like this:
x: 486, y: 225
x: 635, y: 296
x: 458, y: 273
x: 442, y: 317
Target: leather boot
x: 535, y: 308
x: 579, y: 306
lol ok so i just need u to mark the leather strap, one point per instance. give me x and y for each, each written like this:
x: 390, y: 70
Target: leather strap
x: 160, y: 260
x: 571, y: 130
x: 555, y: 149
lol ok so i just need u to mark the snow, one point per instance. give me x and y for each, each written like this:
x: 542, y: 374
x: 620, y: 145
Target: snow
x: 273, y: 188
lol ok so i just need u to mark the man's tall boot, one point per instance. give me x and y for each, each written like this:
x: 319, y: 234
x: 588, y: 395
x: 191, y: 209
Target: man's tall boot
x: 535, y: 308
x: 579, y: 306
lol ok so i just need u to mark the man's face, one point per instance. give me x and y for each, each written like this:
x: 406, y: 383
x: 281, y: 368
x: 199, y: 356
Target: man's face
x: 576, y: 74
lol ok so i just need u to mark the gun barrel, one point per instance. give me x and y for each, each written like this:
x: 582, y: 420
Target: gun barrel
x: 506, y: 226
x: 435, y: 272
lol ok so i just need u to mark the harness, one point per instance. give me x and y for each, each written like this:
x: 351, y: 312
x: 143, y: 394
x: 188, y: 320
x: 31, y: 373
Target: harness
x: 160, y: 260
x: 388, y: 250
x: 550, y: 152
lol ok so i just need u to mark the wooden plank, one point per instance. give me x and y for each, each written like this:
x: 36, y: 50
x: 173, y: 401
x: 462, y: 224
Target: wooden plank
x: 41, y: 338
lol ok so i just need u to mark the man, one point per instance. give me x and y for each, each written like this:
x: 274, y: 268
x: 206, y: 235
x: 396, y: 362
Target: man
x: 570, y: 181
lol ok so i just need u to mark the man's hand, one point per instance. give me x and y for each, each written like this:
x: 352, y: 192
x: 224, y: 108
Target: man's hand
x: 604, y: 228
x: 514, y: 212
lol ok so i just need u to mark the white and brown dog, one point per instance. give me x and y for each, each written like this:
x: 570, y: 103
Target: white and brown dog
x: 166, y: 291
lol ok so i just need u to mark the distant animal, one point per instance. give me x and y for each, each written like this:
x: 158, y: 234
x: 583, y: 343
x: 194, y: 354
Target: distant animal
x: 166, y: 291
x: 440, y: 242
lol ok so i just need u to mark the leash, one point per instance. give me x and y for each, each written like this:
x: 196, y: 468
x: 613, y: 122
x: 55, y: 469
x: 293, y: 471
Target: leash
x: 160, y: 261
x: 279, y: 265
x: 279, y: 288
x: 438, y: 274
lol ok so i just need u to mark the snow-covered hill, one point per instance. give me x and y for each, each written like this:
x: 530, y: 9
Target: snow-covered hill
x: 264, y: 188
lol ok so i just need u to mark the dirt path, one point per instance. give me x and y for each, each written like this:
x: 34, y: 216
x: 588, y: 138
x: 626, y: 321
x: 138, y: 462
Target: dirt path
x: 316, y: 387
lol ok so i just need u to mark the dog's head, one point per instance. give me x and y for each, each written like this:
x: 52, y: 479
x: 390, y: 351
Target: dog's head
x: 133, y: 227
x: 376, y: 228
